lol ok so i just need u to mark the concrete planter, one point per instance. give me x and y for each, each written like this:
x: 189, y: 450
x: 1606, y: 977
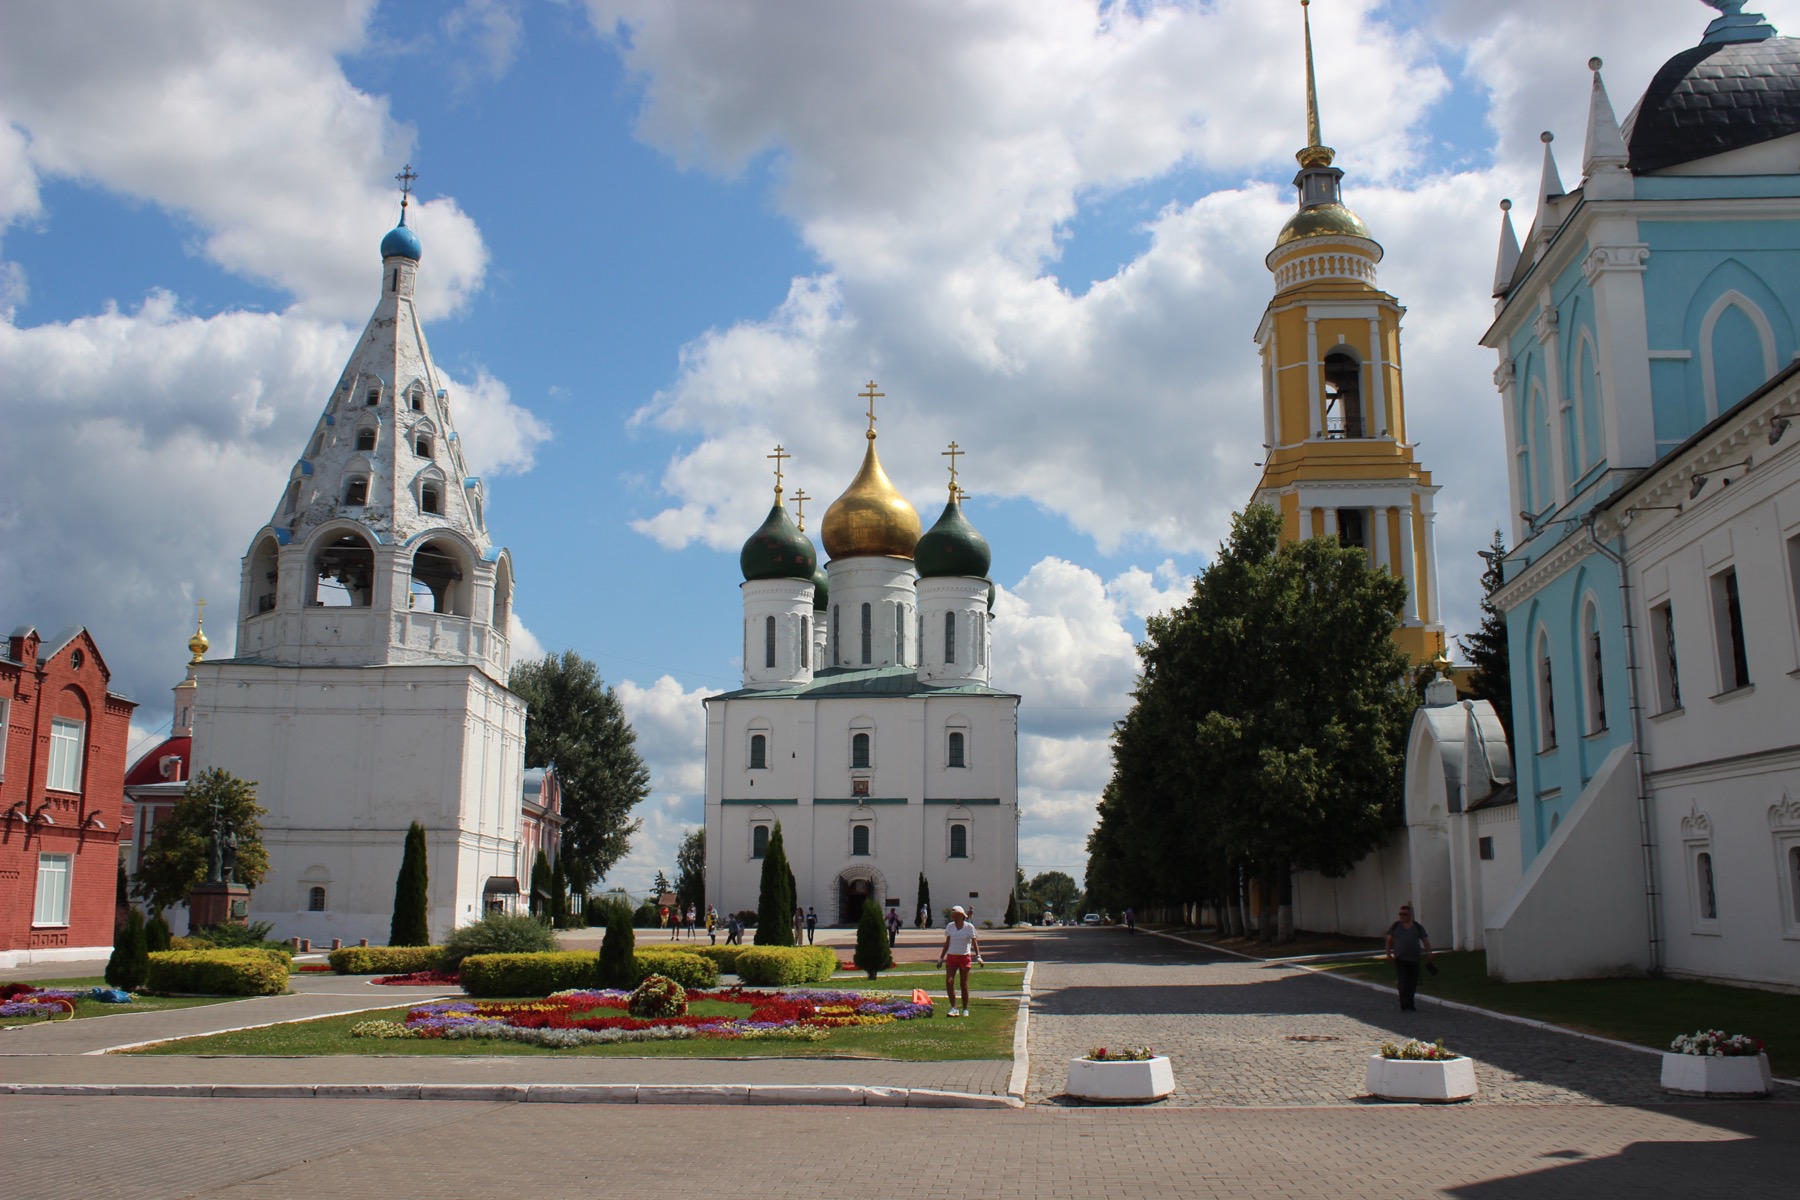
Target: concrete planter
x: 1717, y: 1075
x: 1120, y: 1082
x: 1443, y: 1082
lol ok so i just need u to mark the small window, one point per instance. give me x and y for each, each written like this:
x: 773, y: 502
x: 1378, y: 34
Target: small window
x: 292, y: 500
x: 431, y: 498
x: 955, y: 755
x: 900, y: 635
x: 859, y: 752
x: 949, y: 637
x: 373, y: 398
x: 422, y: 447
x: 759, y: 752
x: 1595, y: 671
x: 67, y: 741
x: 418, y: 400
x: 365, y: 438
x: 837, y: 646
x: 1546, y: 680
x: 1353, y: 528
x: 53, y: 878
x: 759, y: 841
x: 859, y: 841
x: 959, y: 841
x: 1728, y: 623
x: 1793, y: 869
x: 356, y: 491
x: 806, y: 643
x: 1485, y: 848
x: 1668, y: 675
x: 1703, y: 886
x: 868, y: 635
x: 315, y: 900
x: 768, y: 641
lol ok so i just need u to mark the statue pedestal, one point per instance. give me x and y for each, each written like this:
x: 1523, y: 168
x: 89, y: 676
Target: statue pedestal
x: 218, y: 904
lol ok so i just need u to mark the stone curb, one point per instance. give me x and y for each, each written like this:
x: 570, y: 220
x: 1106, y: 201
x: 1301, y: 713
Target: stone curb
x: 541, y: 1093
x: 1021, y: 1069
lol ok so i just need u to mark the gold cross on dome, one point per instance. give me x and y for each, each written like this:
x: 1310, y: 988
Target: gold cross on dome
x: 200, y: 618
x: 800, y: 499
x: 779, y: 456
x: 405, y: 179
x: 871, y: 395
x: 953, y: 453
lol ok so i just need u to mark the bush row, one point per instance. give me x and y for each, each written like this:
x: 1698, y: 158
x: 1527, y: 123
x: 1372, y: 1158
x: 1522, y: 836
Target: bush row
x: 385, y: 960
x: 540, y: 974
x: 219, y: 972
x: 776, y: 966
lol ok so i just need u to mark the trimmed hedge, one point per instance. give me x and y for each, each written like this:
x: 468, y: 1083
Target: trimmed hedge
x: 721, y: 956
x: 540, y: 974
x: 775, y: 966
x: 219, y: 972
x: 385, y: 960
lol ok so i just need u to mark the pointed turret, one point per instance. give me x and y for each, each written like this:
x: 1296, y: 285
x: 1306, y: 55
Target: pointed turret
x: 1507, y: 261
x: 1322, y: 211
x: 1605, y: 173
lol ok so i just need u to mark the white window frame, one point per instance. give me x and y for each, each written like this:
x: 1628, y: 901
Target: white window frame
x: 768, y: 828
x: 55, y: 875
x: 67, y: 750
x: 865, y: 824
x: 950, y: 735
x: 1696, y: 837
x: 966, y: 826
x: 324, y: 897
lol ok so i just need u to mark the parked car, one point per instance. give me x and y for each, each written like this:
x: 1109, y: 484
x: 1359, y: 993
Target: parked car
x: 1091, y: 919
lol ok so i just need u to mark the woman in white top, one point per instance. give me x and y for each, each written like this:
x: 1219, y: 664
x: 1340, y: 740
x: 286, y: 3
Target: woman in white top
x: 960, y: 947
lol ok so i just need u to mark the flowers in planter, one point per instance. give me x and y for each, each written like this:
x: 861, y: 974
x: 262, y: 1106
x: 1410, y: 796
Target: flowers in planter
x: 657, y: 998
x: 1413, y: 1050
x: 1125, y: 1054
x: 1718, y: 1043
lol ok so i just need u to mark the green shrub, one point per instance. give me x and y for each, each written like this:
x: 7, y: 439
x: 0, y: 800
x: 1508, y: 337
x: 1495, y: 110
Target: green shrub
x: 219, y: 972
x: 775, y: 966
x: 616, y: 949
x: 130, y: 961
x: 385, y: 960
x: 497, y: 933
x: 721, y: 956
x: 601, y: 908
x: 489, y: 975
x: 746, y: 917
x: 156, y: 934
x: 231, y: 936
x: 872, y: 954
x: 647, y: 916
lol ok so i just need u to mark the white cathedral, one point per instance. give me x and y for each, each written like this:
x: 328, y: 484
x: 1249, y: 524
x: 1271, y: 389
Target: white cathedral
x: 866, y: 725
x: 368, y: 688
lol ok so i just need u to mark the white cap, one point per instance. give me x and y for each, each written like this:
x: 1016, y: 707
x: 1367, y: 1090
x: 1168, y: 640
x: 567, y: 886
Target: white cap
x: 958, y: 910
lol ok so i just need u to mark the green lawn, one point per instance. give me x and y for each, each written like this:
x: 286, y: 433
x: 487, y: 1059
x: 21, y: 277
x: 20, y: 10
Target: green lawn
x: 931, y: 979
x: 1647, y: 1011
x: 987, y: 1034
x: 93, y: 1008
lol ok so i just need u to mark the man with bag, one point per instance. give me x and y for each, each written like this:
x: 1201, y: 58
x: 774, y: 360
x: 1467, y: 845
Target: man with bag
x: 1406, y: 940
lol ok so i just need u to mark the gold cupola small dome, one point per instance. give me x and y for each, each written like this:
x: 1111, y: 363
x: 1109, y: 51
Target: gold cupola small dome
x: 871, y: 517
x: 199, y: 644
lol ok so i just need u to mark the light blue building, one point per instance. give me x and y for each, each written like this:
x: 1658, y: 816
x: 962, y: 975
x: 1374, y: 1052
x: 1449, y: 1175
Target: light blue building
x: 1647, y: 308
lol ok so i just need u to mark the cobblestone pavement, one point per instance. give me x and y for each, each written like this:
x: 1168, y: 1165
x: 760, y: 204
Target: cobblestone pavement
x: 244, y: 1149
x: 1255, y: 1033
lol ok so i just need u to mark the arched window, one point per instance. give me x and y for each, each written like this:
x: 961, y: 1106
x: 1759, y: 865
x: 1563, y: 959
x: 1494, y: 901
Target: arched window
x: 438, y: 572
x: 422, y: 445
x: 768, y: 641
x: 949, y: 637
x: 1343, y: 396
x: 868, y: 634
x: 1545, y: 695
x: 1703, y: 886
x: 837, y: 645
x: 959, y: 840
x: 503, y: 583
x: 759, y: 752
x: 315, y: 899
x: 900, y: 635
x: 1793, y: 866
x: 759, y: 841
x: 292, y: 500
x: 859, y: 840
x: 806, y: 643
x: 344, y: 573
x: 859, y: 752
x: 1593, y: 668
x: 356, y: 491
x: 431, y: 498
x: 265, y: 575
x: 365, y: 438
x: 374, y: 397
x: 954, y: 754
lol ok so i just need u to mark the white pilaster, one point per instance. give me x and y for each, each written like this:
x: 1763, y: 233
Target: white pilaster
x: 1383, y: 558
x: 1314, y: 396
x: 1408, y: 565
x: 1377, y: 379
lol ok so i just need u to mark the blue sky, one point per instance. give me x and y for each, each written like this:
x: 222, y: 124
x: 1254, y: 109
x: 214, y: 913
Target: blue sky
x: 659, y: 238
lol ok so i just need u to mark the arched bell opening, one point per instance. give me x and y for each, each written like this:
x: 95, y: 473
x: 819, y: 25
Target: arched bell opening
x: 343, y: 574
x: 440, y: 579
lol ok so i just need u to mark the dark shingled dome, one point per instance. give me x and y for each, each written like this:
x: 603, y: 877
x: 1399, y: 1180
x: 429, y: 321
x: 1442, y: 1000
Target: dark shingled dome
x: 952, y: 547
x: 778, y: 550
x: 1715, y: 98
x: 821, y: 589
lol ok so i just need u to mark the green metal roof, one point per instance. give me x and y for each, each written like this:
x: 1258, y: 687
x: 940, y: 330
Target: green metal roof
x: 862, y: 681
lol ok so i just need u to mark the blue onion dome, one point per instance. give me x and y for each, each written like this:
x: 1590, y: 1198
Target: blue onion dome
x: 778, y: 550
x: 952, y: 547
x: 401, y: 242
x: 821, y: 589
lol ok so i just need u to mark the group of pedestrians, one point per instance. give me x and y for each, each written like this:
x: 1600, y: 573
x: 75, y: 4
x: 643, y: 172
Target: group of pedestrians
x: 686, y: 924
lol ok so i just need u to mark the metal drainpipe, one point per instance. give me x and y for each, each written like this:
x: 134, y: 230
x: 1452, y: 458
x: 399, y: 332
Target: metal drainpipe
x: 1652, y: 898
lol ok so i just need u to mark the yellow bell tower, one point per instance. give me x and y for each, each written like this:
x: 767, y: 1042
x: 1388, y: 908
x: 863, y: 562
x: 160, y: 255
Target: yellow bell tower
x: 1334, y: 415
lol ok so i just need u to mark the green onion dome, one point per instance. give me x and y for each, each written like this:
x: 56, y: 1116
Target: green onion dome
x: 990, y: 595
x: 821, y: 589
x: 952, y: 547
x: 778, y: 550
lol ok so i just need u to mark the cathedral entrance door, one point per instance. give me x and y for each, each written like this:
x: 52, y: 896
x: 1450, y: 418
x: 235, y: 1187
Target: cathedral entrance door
x: 852, y: 895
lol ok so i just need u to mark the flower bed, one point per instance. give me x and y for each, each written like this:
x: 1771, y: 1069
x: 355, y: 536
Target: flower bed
x: 585, y: 1018
x: 422, y: 979
x: 1712, y: 1062
x: 23, y: 1000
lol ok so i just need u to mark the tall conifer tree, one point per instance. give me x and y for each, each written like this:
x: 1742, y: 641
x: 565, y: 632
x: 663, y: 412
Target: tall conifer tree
x: 412, y: 920
x: 1486, y: 648
x: 775, y: 902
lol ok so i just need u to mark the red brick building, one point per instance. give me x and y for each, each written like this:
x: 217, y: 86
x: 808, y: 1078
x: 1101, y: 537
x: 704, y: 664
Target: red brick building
x: 62, y: 776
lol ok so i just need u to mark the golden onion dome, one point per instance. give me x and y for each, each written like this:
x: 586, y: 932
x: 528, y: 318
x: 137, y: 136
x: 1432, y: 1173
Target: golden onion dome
x: 1322, y: 220
x: 871, y: 517
x: 199, y: 644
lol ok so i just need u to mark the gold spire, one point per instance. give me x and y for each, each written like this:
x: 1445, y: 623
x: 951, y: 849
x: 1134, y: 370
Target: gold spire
x: 780, y: 456
x: 1316, y: 153
x: 871, y: 518
x: 198, y: 644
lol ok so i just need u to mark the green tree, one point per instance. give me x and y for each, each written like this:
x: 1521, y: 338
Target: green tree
x: 873, y: 955
x: 411, y: 925
x: 617, y: 968
x: 576, y: 724
x: 775, y: 900
x: 690, y: 871
x: 180, y: 854
x: 157, y: 936
x: 540, y: 887
x: 1486, y: 648
x: 559, y: 895
x: 1055, y: 892
x: 129, y: 965
x: 1012, y: 908
x: 924, y: 902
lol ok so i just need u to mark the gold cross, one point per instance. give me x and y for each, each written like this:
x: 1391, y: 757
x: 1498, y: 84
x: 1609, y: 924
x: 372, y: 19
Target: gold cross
x: 405, y: 179
x: 953, y: 453
x: 800, y: 499
x: 779, y: 455
x: 201, y: 618
x: 871, y: 395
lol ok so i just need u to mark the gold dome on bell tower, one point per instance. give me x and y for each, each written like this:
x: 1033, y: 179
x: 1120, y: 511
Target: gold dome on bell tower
x: 871, y: 517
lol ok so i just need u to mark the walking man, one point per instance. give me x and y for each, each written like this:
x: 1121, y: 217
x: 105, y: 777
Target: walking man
x: 1406, y: 940
x: 893, y: 924
x: 960, y: 947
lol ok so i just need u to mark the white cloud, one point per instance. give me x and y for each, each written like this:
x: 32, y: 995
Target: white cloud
x: 671, y: 737
x: 496, y: 31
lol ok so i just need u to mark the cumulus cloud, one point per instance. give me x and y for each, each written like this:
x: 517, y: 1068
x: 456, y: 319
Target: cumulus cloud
x: 671, y: 737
